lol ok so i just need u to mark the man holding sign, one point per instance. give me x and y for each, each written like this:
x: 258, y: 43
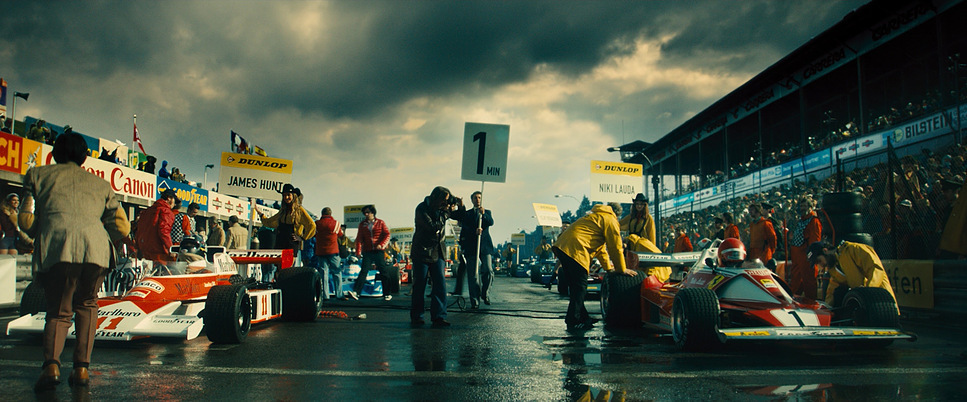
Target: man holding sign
x: 476, y: 223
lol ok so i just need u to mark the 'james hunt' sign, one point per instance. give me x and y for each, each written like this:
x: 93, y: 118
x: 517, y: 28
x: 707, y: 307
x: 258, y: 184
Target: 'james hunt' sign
x: 615, y: 181
x: 253, y: 176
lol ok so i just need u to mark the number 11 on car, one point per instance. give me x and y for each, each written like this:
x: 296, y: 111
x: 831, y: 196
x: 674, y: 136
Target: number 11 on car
x: 485, y: 152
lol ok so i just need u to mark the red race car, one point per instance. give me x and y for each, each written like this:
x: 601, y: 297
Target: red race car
x: 719, y: 299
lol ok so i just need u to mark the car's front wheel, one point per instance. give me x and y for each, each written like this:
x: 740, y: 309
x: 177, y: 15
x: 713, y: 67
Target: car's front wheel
x: 228, y: 314
x: 695, y: 319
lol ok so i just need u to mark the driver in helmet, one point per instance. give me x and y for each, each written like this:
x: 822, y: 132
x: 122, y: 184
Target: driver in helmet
x: 731, y: 253
x: 190, y: 251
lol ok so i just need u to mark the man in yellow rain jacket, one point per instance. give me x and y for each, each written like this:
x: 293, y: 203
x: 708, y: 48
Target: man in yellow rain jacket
x: 850, y: 265
x: 574, y: 249
x: 643, y: 245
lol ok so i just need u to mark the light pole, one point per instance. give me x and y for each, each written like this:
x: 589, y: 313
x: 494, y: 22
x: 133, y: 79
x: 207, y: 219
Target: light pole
x: 208, y: 166
x: 13, y: 110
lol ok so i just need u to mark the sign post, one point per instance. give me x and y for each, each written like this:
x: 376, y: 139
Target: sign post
x: 485, y: 159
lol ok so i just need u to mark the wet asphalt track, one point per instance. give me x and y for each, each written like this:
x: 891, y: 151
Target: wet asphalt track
x: 516, y: 349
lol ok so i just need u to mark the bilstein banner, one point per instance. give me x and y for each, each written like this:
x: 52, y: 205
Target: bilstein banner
x: 615, y: 181
x: 253, y: 176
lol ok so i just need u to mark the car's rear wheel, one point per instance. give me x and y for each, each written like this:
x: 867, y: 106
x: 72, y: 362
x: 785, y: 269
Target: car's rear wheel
x: 34, y: 300
x: 301, y: 293
x: 228, y: 314
x: 621, y: 299
x: 695, y: 319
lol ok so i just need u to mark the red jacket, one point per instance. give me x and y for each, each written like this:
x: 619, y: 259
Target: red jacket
x: 378, y: 239
x: 683, y: 244
x: 327, y: 236
x: 732, y: 232
x: 153, y: 237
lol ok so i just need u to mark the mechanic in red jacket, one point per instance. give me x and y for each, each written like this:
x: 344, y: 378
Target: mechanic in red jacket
x: 371, y: 242
x: 762, y: 236
x: 805, y: 231
x: 153, y: 236
x: 329, y: 264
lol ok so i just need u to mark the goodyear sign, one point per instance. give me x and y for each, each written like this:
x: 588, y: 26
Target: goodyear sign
x: 253, y: 176
x: 187, y: 194
x: 615, y: 181
x: 547, y: 215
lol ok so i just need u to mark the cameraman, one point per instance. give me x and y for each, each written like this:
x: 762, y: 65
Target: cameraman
x: 427, y: 255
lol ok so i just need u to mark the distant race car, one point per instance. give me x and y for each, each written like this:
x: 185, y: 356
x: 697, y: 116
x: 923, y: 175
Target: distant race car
x: 181, y: 299
x: 710, y: 305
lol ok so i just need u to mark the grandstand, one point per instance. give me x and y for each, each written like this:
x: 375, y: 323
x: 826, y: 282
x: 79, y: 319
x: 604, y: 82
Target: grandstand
x: 883, y: 90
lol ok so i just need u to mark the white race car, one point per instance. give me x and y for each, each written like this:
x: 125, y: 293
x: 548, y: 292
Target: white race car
x: 181, y: 299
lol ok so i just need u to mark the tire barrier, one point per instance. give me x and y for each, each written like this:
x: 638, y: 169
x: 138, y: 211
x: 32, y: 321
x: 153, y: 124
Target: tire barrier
x: 844, y: 212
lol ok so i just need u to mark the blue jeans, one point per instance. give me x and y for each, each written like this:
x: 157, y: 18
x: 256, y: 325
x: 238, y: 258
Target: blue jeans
x: 330, y: 268
x: 438, y: 292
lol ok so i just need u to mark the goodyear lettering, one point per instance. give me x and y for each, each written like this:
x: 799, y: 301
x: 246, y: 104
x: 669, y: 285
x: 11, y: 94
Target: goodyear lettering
x: 108, y: 334
x: 127, y: 185
x: 174, y: 321
x: 715, y: 124
x: 824, y: 63
x: 192, y: 196
x: 900, y: 20
x: 255, y: 162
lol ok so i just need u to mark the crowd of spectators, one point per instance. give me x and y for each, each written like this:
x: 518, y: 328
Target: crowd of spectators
x: 919, y: 203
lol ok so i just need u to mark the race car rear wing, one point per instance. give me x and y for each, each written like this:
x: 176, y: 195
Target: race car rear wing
x: 284, y: 258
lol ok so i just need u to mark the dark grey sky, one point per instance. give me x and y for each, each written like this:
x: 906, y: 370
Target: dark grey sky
x: 369, y: 97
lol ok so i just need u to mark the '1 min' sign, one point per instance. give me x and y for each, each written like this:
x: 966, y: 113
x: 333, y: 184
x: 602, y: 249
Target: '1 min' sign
x: 485, y: 152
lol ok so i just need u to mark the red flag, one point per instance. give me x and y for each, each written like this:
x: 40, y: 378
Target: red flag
x: 137, y: 139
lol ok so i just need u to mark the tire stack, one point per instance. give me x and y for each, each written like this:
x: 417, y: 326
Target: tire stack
x: 845, y: 214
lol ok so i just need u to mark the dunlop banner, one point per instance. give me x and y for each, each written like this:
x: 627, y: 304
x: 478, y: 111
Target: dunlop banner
x: 253, y: 176
x: 615, y: 181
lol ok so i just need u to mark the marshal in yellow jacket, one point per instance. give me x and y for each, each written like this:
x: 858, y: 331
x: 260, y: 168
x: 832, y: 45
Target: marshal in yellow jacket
x: 590, y: 233
x: 642, y: 245
x: 859, y: 266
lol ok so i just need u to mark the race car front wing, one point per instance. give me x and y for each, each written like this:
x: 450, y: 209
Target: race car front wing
x: 813, y: 333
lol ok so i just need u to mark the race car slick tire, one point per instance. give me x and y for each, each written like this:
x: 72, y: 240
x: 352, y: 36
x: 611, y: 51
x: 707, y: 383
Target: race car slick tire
x: 695, y: 319
x: 621, y: 299
x: 535, y: 274
x: 33, y: 300
x: 870, y: 307
x: 228, y: 314
x: 844, y: 202
x: 301, y: 293
x: 847, y: 223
